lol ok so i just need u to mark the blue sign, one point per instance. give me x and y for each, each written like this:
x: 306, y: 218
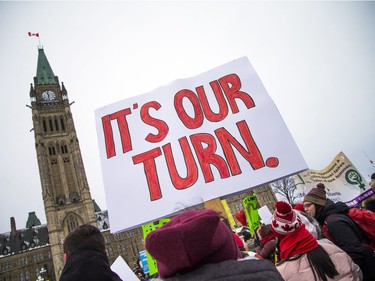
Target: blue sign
x: 143, y: 259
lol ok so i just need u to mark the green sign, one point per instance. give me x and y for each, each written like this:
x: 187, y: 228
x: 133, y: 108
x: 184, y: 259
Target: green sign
x: 147, y: 228
x: 251, y: 212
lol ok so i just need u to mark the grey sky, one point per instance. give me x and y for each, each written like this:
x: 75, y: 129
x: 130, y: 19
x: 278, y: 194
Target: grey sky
x: 316, y: 60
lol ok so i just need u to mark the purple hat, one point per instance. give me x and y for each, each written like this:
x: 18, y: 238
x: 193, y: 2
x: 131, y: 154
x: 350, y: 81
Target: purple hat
x: 190, y: 240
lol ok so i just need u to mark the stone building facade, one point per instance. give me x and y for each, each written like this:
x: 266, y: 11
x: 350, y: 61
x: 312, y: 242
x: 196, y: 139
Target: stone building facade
x: 26, y: 253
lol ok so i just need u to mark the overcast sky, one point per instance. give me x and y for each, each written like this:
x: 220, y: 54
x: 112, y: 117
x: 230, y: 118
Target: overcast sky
x: 316, y: 60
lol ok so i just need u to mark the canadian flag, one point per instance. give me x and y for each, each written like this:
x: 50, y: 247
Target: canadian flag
x: 33, y: 34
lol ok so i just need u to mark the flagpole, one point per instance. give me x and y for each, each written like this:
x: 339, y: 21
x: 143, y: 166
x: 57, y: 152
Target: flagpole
x: 37, y: 35
x: 372, y: 163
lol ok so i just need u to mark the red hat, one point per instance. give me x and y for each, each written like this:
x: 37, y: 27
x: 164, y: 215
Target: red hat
x: 241, y: 217
x: 284, y: 220
x: 190, y: 240
x: 299, y: 207
x: 238, y: 240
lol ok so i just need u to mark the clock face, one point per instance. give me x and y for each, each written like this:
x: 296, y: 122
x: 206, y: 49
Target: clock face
x: 48, y: 95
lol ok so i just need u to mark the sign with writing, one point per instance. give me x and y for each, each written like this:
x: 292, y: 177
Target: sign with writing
x: 251, y: 212
x: 191, y: 141
x: 342, y: 180
x: 144, y: 261
x: 231, y: 221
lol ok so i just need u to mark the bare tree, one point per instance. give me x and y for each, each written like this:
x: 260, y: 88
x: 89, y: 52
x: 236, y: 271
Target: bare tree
x: 286, y: 188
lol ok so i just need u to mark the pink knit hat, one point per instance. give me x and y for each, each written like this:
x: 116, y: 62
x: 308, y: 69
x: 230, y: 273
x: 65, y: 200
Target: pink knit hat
x: 190, y: 240
x: 284, y: 220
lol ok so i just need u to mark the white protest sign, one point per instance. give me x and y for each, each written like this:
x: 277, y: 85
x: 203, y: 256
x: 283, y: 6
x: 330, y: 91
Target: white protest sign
x: 341, y: 179
x: 265, y: 214
x: 122, y: 269
x: 193, y: 140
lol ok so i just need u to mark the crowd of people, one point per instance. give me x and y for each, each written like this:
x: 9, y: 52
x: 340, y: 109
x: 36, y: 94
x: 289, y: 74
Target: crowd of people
x: 314, y: 240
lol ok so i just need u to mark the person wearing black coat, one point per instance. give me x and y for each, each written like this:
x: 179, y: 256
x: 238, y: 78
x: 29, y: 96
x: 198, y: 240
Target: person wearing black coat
x: 343, y: 231
x: 85, y: 256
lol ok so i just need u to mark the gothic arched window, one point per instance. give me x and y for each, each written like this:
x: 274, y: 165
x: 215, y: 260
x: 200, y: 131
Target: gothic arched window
x: 64, y: 148
x: 51, y: 150
x: 44, y: 126
x: 62, y: 124
x: 56, y: 124
x: 50, y: 125
x: 72, y: 222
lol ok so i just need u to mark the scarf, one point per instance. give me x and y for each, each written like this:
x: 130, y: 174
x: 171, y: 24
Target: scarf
x: 298, y: 242
x: 267, y: 238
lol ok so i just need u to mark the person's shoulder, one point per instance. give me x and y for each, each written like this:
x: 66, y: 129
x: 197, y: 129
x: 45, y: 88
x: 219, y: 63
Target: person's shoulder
x: 295, y: 268
x: 254, y: 268
x: 257, y: 265
x: 324, y: 241
x: 234, y: 270
x: 337, y: 217
x: 260, y: 267
x: 337, y: 254
x: 329, y: 247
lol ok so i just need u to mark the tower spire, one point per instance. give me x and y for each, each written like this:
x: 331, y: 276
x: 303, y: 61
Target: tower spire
x: 44, y: 73
x: 65, y: 190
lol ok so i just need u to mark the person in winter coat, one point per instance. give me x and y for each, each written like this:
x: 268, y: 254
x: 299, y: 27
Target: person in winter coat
x: 268, y: 242
x: 197, y: 245
x: 343, y: 231
x: 85, y: 256
x: 302, y: 257
x: 310, y: 223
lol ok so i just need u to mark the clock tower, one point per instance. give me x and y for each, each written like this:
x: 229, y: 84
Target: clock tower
x: 66, y: 194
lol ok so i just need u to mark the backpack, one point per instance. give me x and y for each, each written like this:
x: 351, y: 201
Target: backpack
x: 365, y: 219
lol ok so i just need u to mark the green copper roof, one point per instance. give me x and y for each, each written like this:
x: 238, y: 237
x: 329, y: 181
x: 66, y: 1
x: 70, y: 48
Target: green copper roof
x: 32, y: 220
x: 44, y: 71
x: 96, y: 206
